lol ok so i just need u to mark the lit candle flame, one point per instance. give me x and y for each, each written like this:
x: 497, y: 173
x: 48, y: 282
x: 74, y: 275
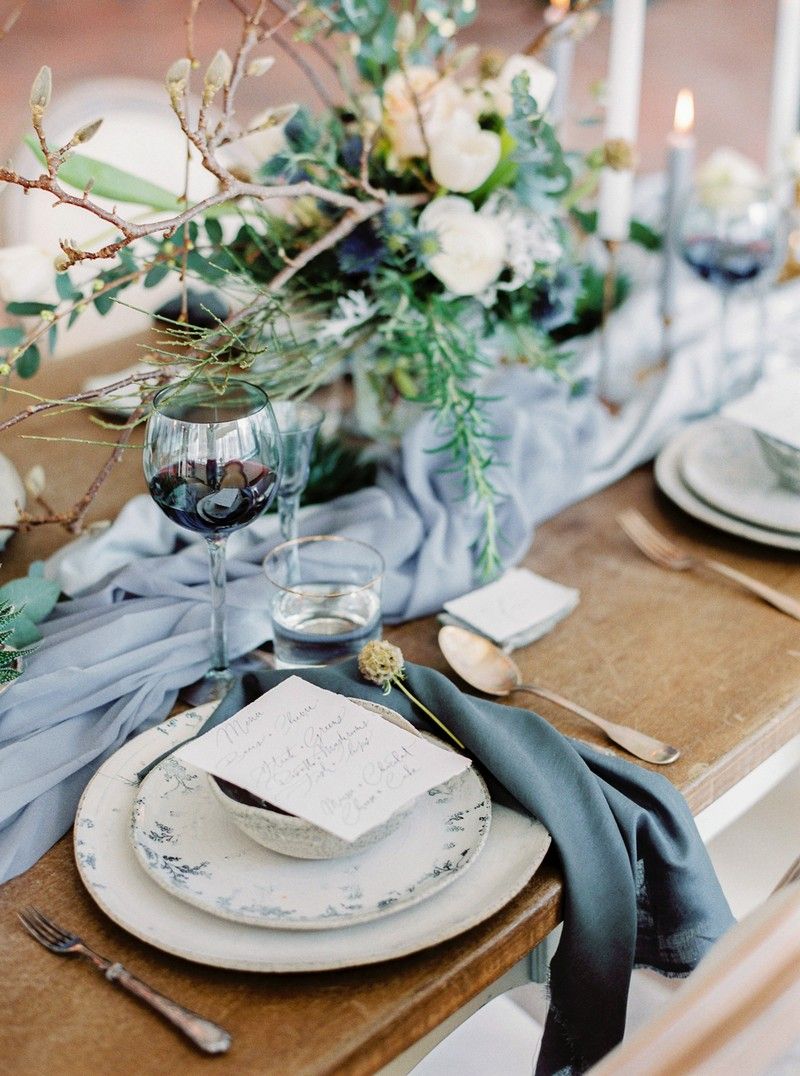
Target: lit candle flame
x: 561, y: 6
x: 684, y: 112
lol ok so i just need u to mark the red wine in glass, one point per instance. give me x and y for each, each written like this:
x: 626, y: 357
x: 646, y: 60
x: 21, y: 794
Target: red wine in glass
x: 213, y: 498
x: 728, y: 264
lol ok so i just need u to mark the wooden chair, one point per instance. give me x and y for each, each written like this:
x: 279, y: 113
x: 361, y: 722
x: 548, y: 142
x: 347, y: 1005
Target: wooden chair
x: 738, y: 1012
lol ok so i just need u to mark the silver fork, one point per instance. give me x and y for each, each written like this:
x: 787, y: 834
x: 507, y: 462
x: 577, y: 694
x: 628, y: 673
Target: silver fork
x: 665, y: 553
x: 203, y: 1033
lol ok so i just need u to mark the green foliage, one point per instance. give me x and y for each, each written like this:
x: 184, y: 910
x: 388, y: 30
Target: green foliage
x: 336, y: 468
x: 11, y: 337
x: 32, y: 598
x: 9, y: 667
x: 589, y: 306
x: 28, y: 309
x: 28, y: 362
x: 640, y: 233
x: 20, y: 601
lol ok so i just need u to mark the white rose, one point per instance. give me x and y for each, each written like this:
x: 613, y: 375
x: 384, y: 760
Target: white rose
x: 471, y: 247
x: 462, y: 155
x: 728, y: 178
x: 437, y: 98
x: 26, y: 273
x: 541, y: 83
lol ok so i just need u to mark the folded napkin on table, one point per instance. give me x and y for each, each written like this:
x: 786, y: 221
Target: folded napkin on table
x: 514, y: 610
x: 771, y: 408
x: 639, y: 888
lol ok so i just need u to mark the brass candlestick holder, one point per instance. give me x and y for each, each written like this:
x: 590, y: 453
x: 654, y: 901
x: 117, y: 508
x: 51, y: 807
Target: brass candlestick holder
x: 790, y: 269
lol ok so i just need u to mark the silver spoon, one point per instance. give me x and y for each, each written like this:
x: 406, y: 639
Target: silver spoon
x: 483, y: 665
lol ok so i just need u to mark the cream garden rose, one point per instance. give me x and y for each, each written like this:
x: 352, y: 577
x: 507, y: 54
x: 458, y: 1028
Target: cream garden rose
x: 463, y: 156
x: 437, y: 98
x: 727, y: 178
x: 472, y: 246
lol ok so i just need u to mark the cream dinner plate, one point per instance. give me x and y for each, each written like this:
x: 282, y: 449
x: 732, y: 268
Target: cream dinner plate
x: 515, y: 846
x: 189, y: 845
x: 723, y: 464
x: 670, y: 480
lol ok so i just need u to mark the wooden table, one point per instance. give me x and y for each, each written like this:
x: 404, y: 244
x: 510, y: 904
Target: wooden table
x: 684, y: 657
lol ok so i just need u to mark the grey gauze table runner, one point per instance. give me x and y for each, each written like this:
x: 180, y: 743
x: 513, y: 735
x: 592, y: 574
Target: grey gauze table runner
x: 639, y: 888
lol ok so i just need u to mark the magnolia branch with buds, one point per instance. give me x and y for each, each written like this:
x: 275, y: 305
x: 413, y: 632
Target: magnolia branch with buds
x: 207, y: 134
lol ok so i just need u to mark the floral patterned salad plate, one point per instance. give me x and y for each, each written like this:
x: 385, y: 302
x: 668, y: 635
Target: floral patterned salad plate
x: 189, y: 845
x: 515, y: 846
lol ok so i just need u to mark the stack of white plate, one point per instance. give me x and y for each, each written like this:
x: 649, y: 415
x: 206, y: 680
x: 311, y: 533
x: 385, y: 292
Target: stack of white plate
x: 164, y: 860
x: 715, y: 471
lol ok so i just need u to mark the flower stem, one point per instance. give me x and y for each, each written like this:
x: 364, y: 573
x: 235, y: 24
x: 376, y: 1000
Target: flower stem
x: 425, y: 710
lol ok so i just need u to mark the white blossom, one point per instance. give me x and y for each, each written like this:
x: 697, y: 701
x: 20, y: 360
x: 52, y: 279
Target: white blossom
x: 463, y: 156
x: 351, y: 311
x: 727, y: 178
x: 532, y: 238
x: 471, y: 246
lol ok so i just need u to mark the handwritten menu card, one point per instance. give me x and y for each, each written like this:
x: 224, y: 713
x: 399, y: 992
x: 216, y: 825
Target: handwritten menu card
x: 317, y: 755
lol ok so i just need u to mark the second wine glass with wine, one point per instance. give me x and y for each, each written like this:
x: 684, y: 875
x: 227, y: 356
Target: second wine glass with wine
x: 729, y: 236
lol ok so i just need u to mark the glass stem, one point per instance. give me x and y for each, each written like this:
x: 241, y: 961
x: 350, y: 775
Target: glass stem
x: 219, y: 641
x: 762, y: 330
x: 288, y: 507
x: 724, y: 350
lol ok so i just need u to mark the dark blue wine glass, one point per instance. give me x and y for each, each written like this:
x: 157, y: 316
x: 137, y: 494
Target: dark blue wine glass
x: 212, y: 460
x: 729, y: 236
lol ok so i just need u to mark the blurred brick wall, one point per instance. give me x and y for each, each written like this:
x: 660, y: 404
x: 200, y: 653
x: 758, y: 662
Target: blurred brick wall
x: 721, y: 49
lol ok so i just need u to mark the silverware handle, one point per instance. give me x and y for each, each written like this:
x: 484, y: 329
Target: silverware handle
x: 567, y: 704
x: 206, y: 1035
x: 637, y: 743
x: 777, y: 598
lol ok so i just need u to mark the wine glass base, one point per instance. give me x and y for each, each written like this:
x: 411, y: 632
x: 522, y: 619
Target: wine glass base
x: 213, y: 687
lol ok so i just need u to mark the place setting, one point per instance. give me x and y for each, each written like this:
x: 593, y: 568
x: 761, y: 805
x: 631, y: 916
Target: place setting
x: 296, y: 823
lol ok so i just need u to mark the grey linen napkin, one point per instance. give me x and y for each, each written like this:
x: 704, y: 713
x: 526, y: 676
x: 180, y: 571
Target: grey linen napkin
x: 639, y: 888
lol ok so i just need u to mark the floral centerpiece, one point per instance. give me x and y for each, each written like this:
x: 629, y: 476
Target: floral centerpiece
x: 427, y: 222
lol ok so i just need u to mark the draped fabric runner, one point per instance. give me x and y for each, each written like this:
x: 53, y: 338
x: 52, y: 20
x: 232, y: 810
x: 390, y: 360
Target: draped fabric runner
x: 639, y: 886
x: 113, y: 659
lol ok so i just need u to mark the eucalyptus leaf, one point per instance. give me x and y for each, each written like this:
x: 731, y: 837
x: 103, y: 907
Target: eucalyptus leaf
x: 11, y: 336
x: 28, y: 362
x: 155, y: 275
x: 36, y: 595
x: 111, y: 182
x: 65, y: 288
x: 214, y: 232
x: 28, y: 309
x: 25, y: 631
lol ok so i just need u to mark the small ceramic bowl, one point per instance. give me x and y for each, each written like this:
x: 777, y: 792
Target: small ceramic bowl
x: 783, y: 460
x: 293, y: 836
